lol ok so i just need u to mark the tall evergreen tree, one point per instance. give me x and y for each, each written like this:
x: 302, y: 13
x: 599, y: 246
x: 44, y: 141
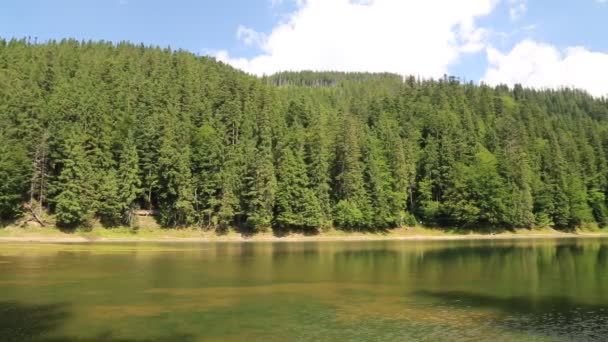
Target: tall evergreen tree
x: 352, y: 207
x: 175, y: 180
x: 14, y: 178
x: 296, y: 203
x: 73, y: 187
x: 261, y: 182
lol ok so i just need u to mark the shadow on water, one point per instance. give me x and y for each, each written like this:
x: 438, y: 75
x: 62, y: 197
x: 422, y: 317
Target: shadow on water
x: 20, y: 322
x: 32, y: 322
x: 556, y: 317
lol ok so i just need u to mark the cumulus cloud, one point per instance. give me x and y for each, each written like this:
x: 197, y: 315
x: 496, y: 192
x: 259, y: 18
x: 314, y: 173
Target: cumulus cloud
x: 249, y: 36
x: 541, y: 65
x: 418, y: 37
x: 517, y: 8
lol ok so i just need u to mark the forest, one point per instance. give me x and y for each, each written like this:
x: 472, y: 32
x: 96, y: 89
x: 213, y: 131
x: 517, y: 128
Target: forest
x: 95, y: 131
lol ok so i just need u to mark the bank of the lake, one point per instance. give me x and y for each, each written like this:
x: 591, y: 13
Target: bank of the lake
x: 100, y: 234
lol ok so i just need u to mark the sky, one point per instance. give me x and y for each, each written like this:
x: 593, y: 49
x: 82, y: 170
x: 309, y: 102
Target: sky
x: 537, y: 43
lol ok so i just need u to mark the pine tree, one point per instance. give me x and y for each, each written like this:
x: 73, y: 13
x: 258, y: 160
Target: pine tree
x: 108, y: 202
x: 380, y: 185
x: 261, y: 182
x: 129, y: 183
x: 479, y: 192
x: 352, y: 208
x: 514, y: 166
x: 318, y: 161
x: 175, y: 180
x: 296, y: 203
x: 74, y: 193
x: 207, y: 155
x: 14, y: 178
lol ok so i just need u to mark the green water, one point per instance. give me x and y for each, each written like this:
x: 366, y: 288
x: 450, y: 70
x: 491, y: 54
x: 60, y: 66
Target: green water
x: 537, y: 290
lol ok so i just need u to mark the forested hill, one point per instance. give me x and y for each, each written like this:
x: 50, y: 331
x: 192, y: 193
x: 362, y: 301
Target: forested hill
x: 96, y: 131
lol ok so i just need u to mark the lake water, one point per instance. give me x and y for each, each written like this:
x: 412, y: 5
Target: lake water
x: 525, y: 290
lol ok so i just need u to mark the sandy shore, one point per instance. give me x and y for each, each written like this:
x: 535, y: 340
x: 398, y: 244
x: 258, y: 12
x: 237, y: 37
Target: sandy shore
x: 299, y: 238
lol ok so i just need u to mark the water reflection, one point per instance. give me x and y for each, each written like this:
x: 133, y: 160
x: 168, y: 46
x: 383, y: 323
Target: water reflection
x: 384, y: 290
x: 557, y: 317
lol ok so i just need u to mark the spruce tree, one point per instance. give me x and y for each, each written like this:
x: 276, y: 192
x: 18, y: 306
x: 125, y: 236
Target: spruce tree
x: 14, y: 178
x: 261, y: 182
x: 175, y: 179
x: 74, y: 200
x: 296, y: 203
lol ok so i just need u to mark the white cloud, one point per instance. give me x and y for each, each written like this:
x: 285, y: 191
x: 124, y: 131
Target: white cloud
x: 419, y: 37
x: 249, y: 36
x: 531, y: 27
x: 517, y: 8
x: 275, y: 3
x: 541, y: 65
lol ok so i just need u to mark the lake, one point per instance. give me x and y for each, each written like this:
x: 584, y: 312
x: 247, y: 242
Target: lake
x: 498, y: 290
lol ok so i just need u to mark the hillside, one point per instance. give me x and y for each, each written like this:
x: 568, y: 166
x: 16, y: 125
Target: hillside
x: 96, y: 131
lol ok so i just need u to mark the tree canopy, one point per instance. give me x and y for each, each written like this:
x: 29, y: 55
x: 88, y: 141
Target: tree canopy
x: 96, y: 130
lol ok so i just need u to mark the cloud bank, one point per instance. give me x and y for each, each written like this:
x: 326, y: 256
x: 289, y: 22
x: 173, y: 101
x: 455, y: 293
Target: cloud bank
x: 413, y: 37
x: 418, y: 37
x: 541, y: 65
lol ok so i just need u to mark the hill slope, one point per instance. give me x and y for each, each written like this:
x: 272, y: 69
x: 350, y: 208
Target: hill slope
x: 96, y: 130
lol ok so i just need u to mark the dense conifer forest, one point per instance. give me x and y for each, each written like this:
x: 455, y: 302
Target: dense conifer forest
x: 95, y: 131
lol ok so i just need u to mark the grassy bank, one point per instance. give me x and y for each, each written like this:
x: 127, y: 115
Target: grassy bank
x: 154, y: 233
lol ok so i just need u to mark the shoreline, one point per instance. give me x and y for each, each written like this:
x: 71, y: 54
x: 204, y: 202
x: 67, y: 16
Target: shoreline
x: 60, y: 237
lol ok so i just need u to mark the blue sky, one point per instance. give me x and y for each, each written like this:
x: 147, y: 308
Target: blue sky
x: 540, y: 43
